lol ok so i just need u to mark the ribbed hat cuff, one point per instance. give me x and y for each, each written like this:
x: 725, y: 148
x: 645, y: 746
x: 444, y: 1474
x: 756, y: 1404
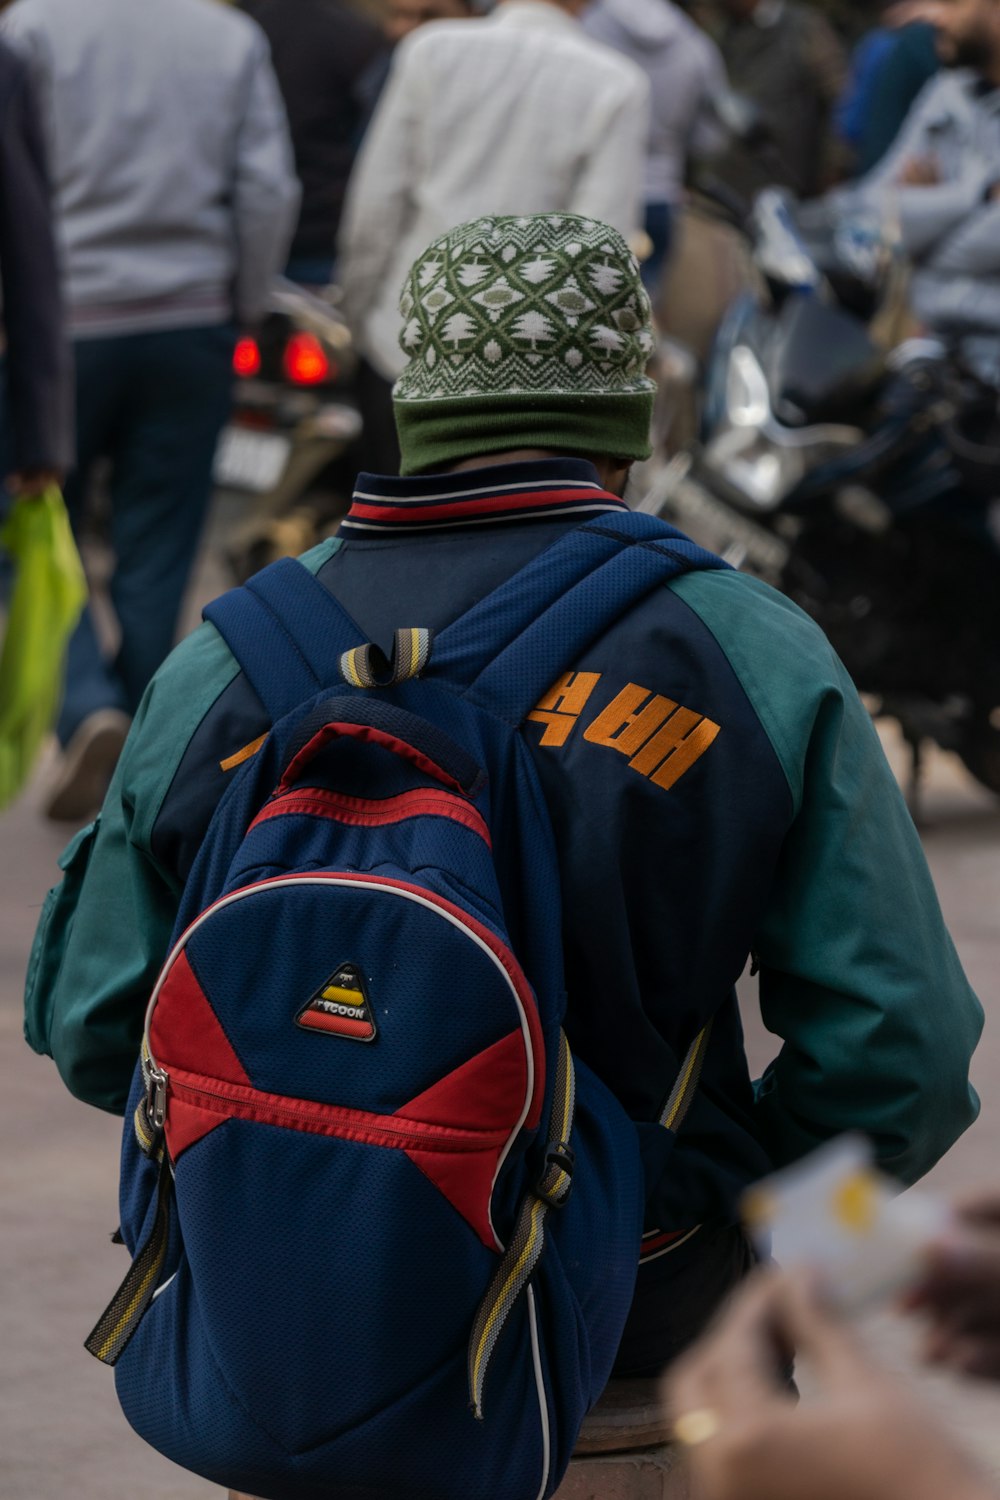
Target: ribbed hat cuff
x: 435, y: 433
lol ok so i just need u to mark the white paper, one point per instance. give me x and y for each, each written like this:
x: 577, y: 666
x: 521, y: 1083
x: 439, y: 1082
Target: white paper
x: 835, y: 1213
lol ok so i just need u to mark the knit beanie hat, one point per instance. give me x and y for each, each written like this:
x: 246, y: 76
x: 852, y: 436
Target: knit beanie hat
x: 530, y: 332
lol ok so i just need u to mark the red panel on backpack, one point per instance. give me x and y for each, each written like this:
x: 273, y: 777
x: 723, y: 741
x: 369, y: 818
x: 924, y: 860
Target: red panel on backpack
x: 186, y: 1032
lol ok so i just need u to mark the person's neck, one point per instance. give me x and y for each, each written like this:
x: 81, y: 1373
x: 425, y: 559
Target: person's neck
x: 611, y: 472
x: 514, y: 456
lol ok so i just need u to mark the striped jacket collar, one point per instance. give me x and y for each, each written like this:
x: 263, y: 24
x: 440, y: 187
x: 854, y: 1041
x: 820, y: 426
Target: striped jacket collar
x: 477, y: 497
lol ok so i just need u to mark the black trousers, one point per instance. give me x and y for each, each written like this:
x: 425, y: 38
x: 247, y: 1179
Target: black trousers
x: 677, y: 1295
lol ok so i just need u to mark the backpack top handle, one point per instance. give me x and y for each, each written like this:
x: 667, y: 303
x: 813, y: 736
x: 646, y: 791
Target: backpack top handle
x: 413, y: 739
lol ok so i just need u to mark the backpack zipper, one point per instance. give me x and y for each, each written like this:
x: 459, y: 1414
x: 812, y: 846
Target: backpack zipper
x: 368, y: 812
x: 157, y: 1096
x: 243, y: 1101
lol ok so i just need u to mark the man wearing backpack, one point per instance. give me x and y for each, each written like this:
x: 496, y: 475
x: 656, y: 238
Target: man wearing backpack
x: 715, y: 789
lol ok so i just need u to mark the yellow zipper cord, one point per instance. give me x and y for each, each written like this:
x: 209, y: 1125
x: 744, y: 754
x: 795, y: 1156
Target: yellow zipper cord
x: 124, y: 1312
x: 146, y: 1137
x: 528, y: 1241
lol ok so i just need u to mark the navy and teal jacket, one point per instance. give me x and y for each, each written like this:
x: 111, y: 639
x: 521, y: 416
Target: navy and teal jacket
x: 718, y: 795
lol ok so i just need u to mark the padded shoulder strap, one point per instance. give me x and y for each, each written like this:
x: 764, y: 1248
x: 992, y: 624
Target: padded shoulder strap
x: 287, y: 632
x: 513, y: 645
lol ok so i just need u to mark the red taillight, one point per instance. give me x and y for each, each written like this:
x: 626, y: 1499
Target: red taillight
x: 246, y: 358
x: 306, y: 362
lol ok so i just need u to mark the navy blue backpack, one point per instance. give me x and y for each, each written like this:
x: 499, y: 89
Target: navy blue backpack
x: 385, y: 1228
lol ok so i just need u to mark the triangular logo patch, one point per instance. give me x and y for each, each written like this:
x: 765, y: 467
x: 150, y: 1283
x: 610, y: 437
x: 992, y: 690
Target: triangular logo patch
x: 340, y: 1007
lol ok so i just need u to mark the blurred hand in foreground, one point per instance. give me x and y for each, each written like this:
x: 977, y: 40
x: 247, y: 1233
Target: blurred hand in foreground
x: 861, y: 1435
x: 960, y: 1291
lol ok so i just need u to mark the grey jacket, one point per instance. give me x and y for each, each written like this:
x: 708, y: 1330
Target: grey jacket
x: 685, y: 69
x: 170, y: 155
x: 950, y: 231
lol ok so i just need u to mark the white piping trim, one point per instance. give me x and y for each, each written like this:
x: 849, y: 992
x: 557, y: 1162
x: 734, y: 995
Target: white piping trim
x: 543, y: 1406
x: 376, y: 885
x: 542, y: 485
x: 163, y: 1288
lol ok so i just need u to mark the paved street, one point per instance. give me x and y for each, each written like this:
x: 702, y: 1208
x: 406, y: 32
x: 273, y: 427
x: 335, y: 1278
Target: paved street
x: 60, y: 1430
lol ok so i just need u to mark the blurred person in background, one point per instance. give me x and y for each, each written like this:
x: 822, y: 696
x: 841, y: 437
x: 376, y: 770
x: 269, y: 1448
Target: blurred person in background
x: 36, y: 378
x: 685, y: 72
x: 938, y: 190
x: 175, y: 201
x: 861, y: 1434
x: 399, y: 18
x: 515, y: 114
x: 889, y: 67
x: 789, y: 61
x: 323, y: 53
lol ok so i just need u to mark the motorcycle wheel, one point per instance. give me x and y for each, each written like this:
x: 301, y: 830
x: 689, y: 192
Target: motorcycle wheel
x: 980, y: 751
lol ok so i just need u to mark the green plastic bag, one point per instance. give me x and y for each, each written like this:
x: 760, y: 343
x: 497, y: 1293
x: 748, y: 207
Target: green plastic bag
x: 49, y: 594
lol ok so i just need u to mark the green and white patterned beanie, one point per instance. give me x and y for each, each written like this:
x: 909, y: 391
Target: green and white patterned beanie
x: 530, y: 332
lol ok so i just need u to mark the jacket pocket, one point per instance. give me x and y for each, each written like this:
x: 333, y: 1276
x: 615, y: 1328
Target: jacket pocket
x: 51, y: 937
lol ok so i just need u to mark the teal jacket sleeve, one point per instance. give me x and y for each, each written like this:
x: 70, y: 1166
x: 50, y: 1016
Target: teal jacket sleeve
x: 858, y: 976
x: 105, y: 929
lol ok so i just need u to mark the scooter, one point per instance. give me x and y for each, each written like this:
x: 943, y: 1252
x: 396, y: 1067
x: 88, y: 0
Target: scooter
x: 282, y: 471
x: 862, y: 483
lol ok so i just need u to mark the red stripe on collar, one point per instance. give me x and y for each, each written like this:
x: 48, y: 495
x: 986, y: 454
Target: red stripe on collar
x: 505, y: 505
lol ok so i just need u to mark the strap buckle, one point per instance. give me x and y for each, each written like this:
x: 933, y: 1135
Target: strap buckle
x: 557, y: 1182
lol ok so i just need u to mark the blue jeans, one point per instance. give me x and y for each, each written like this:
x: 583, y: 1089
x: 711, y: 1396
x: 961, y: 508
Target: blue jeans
x: 154, y: 405
x: 659, y: 224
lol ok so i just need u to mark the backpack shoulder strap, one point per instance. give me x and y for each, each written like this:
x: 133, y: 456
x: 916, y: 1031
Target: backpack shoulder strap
x: 286, y: 631
x: 513, y: 644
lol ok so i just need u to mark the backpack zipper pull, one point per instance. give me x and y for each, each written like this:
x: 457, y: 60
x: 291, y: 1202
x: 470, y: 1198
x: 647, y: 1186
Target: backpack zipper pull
x: 156, y: 1096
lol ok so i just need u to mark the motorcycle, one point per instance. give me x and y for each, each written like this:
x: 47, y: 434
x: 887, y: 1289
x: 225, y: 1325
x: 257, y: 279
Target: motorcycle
x: 860, y: 480
x: 283, y: 473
